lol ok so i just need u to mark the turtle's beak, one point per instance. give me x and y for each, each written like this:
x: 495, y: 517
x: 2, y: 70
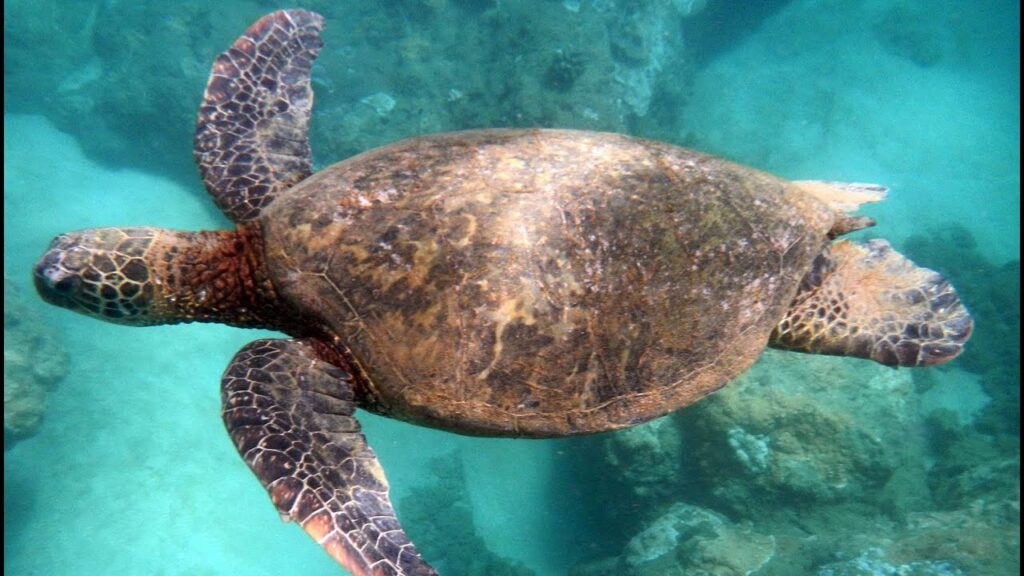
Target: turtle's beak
x: 58, y: 274
x: 55, y: 284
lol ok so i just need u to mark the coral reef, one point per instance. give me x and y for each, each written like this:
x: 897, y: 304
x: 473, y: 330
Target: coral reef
x: 804, y: 429
x: 838, y: 464
x: 992, y: 294
x: 873, y: 561
x: 563, y: 71
x: 157, y: 55
x: 646, y: 458
x: 688, y: 539
x: 692, y: 540
x: 437, y: 516
x: 388, y: 70
x: 752, y: 451
x: 34, y: 361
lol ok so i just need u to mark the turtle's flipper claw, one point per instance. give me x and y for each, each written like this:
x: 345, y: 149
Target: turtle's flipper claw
x: 290, y: 415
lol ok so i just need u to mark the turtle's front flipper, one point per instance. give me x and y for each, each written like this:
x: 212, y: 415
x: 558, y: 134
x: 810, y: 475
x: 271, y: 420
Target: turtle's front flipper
x: 290, y: 415
x: 251, y: 136
x: 871, y: 302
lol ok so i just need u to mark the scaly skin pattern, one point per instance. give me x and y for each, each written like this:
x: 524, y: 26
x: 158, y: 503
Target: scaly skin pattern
x: 250, y: 141
x: 539, y: 282
x: 868, y: 301
x: 147, y: 276
x: 291, y: 416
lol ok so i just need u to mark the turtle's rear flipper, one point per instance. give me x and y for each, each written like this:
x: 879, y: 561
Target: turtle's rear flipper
x: 251, y: 135
x: 290, y: 415
x: 871, y: 302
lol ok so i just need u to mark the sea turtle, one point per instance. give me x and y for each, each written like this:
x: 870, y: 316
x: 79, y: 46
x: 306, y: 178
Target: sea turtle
x: 531, y: 283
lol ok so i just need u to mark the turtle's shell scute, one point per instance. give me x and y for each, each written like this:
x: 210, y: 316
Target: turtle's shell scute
x: 542, y: 283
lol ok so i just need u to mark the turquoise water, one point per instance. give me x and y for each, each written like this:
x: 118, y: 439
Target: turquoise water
x: 807, y: 465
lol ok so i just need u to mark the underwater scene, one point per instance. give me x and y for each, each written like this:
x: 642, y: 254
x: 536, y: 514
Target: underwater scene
x: 116, y: 460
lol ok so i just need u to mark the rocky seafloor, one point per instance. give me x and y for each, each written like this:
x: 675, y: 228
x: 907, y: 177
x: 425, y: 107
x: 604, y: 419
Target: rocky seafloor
x: 34, y: 362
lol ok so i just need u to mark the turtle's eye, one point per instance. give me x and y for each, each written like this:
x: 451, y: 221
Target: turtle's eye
x: 66, y: 285
x: 53, y: 280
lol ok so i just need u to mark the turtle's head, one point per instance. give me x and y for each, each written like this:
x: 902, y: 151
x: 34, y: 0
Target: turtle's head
x: 147, y: 276
x: 101, y: 272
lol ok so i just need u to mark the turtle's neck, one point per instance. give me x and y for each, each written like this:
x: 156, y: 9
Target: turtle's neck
x: 217, y: 276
